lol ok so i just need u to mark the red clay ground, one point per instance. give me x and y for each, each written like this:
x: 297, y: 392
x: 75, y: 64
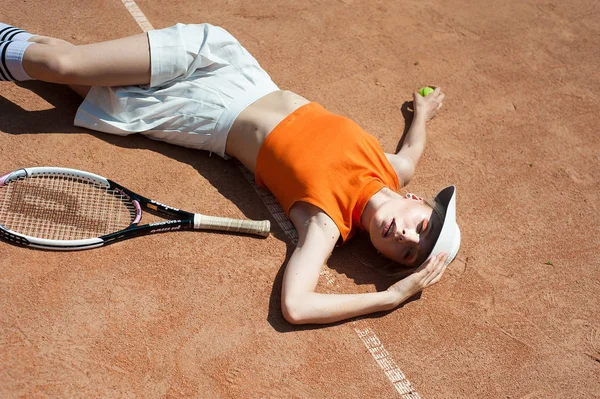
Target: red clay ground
x: 197, y: 314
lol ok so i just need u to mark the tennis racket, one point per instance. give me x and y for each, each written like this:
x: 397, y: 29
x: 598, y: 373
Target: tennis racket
x: 67, y: 209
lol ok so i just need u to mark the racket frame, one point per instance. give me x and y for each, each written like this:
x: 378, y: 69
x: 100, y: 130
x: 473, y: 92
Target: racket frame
x: 179, y: 219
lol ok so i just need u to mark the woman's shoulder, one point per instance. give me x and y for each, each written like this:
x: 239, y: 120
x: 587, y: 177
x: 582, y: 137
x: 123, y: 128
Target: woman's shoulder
x: 308, y: 217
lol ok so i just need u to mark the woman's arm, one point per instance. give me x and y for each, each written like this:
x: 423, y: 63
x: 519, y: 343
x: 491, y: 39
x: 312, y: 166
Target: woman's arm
x: 302, y: 305
x: 405, y: 161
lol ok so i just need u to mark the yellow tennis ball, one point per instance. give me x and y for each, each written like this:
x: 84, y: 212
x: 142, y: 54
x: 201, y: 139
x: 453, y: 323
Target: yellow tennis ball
x: 425, y: 91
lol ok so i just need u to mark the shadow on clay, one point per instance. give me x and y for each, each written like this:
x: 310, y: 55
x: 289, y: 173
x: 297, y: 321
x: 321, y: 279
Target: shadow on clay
x: 407, y: 113
x: 358, y: 260
x: 16, y: 120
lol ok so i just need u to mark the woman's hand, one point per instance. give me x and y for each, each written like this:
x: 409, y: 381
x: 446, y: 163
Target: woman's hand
x: 425, y: 276
x: 428, y: 106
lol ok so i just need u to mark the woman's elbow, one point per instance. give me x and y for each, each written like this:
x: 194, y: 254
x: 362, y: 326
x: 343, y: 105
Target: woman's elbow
x: 293, y: 309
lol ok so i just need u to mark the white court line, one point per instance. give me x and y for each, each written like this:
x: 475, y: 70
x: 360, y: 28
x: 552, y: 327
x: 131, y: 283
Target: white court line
x: 366, y: 334
x: 138, y: 15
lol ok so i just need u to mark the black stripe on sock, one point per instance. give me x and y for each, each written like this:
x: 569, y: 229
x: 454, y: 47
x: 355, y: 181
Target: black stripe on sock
x: 7, y: 31
x: 3, y: 61
x: 11, y: 36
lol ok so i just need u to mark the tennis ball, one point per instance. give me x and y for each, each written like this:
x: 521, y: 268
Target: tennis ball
x: 425, y: 91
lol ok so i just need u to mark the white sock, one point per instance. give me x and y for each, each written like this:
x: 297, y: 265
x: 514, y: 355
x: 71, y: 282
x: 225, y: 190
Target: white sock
x: 11, y: 61
x: 8, y: 33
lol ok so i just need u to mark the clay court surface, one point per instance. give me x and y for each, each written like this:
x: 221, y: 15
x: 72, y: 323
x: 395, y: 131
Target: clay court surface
x: 517, y: 315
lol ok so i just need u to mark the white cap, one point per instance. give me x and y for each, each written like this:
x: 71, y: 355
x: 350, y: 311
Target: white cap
x: 449, y: 239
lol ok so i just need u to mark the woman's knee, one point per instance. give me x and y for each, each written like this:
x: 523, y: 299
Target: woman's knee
x: 61, y: 64
x: 53, y: 64
x: 46, y: 63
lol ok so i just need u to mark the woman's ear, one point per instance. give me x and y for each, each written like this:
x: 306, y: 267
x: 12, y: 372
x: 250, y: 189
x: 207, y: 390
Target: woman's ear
x: 413, y: 197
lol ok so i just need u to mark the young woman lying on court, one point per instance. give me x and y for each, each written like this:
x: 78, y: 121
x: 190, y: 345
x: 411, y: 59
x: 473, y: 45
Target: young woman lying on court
x: 196, y: 86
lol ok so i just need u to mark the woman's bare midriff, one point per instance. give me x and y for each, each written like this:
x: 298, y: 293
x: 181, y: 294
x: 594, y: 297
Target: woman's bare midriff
x: 255, y: 123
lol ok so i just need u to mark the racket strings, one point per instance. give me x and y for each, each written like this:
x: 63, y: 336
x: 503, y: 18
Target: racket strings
x: 63, y: 207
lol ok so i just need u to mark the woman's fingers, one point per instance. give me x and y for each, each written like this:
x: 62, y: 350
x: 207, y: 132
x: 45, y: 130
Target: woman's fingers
x: 435, y: 268
x: 439, y: 276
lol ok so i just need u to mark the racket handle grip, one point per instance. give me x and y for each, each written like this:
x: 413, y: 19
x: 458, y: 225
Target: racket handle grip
x: 256, y: 227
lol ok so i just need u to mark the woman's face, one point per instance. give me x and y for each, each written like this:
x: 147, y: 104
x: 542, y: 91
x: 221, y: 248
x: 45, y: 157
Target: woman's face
x: 405, y: 230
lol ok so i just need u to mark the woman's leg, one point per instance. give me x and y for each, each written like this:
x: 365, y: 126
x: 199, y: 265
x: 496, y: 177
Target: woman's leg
x: 120, y: 62
x: 51, y: 41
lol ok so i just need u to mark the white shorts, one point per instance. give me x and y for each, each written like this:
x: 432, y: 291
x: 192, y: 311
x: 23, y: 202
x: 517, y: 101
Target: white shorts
x: 201, y: 79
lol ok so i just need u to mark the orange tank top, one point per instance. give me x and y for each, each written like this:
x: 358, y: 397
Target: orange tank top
x: 326, y: 160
